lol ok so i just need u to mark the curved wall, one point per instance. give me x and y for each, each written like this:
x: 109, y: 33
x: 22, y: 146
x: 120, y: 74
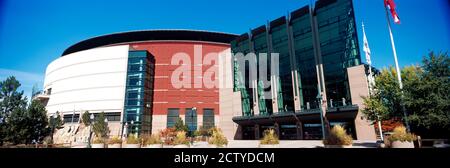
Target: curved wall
x: 91, y: 80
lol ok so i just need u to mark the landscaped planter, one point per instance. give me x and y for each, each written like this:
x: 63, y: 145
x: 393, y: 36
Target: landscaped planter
x: 338, y: 146
x: 268, y: 146
x: 132, y: 146
x: 181, y: 146
x: 98, y: 145
x: 114, y: 145
x: 400, y: 144
x: 153, y: 146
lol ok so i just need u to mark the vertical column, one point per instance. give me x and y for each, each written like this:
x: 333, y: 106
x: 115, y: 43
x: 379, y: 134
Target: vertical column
x: 257, y: 131
x: 294, y: 73
x: 239, y: 133
x: 254, y: 83
x: 277, y: 129
x: 299, y: 125
x: 318, y: 59
x: 273, y: 78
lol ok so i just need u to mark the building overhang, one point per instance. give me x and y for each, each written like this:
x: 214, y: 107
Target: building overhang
x: 306, y: 116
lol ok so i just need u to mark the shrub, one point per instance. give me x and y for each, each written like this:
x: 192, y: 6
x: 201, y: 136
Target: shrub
x: 168, y: 135
x: 132, y: 139
x: 400, y: 134
x: 98, y: 140
x: 115, y: 140
x: 180, y: 125
x: 85, y: 118
x: 152, y: 139
x: 338, y: 136
x: 217, y: 138
x: 181, y: 139
x: 270, y: 137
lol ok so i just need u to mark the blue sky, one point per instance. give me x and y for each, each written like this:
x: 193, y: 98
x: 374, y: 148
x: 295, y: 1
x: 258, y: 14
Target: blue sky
x: 33, y: 33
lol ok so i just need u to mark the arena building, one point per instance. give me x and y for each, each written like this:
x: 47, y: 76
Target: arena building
x: 142, y: 80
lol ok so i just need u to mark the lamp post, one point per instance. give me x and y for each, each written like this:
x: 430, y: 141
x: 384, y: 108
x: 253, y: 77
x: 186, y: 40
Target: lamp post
x: 147, y: 125
x: 124, y: 126
x: 90, y: 130
x: 132, y: 123
x: 106, y: 121
x: 319, y: 99
x: 53, y: 124
x: 194, y: 111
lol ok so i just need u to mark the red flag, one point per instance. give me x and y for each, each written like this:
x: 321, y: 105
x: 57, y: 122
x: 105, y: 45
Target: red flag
x: 391, y: 6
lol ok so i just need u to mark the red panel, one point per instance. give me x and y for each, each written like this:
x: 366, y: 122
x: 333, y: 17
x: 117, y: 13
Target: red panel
x: 180, y: 98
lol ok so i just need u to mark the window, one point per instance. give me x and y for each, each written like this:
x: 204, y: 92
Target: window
x: 191, y: 119
x: 113, y: 116
x: 134, y: 82
x: 172, y: 116
x: 68, y: 118
x: 208, y: 118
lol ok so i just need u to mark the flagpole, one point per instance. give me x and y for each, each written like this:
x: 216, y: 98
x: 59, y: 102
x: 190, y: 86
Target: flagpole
x: 399, y: 76
x: 371, y: 82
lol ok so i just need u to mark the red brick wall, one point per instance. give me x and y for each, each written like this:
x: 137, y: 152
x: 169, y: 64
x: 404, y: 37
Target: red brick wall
x: 165, y: 92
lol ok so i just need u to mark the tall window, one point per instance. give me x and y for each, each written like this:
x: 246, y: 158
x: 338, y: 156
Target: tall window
x: 191, y: 119
x: 208, y: 118
x: 172, y: 116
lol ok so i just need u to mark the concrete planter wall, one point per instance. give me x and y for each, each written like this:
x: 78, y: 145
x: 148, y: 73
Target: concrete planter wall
x: 98, y: 145
x: 132, y: 146
x: 400, y: 144
x: 338, y: 146
x: 181, y: 146
x: 167, y: 146
x: 114, y: 145
x: 215, y: 146
x: 153, y: 146
x: 268, y: 146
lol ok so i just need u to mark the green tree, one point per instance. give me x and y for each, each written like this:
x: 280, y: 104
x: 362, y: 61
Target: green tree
x: 55, y: 123
x: 11, y: 100
x: 17, y: 126
x: 427, y: 97
x: 86, y: 119
x: 384, y: 101
x: 180, y: 126
x: 100, y: 127
x: 37, y: 122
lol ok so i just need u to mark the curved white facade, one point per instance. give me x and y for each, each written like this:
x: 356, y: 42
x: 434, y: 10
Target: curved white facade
x: 92, y: 80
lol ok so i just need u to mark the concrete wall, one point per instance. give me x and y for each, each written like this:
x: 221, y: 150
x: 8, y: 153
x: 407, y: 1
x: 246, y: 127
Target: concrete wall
x: 91, y: 80
x: 228, y: 101
x: 359, y: 88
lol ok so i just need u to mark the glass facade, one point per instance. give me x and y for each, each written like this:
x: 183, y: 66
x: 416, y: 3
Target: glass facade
x: 339, y: 46
x: 242, y: 45
x: 332, y: 25
x: 139, y: 92
x: 280, y: 44
x: 259, y: 40
x: 300, y: 25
